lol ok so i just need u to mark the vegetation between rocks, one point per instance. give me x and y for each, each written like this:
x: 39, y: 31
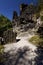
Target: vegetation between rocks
x: 1, y: 53
x: 36, y: 40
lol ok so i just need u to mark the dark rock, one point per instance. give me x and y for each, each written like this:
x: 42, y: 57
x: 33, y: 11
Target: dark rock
x: 9, y: 36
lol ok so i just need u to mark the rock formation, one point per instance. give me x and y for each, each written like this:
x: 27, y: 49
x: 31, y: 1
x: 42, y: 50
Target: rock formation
x: 9, y: 36
x: 26, y: 17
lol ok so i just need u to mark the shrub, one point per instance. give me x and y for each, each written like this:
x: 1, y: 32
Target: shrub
x: 1, y: 53
x: 37, y: 40
x: 1, y: 48
x: 5, y: 24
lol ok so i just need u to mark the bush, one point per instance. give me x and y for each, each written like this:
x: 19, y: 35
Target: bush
x: 37, y: 40
x: 1, y: 53
x: 1, y: 48
x: 5, y: 24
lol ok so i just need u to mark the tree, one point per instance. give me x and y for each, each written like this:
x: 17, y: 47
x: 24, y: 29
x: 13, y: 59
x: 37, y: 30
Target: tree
x: 5, y: 24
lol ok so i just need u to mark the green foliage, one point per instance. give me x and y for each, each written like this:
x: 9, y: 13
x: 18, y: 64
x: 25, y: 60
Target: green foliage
x: 4, y: 20
x: 37, y: 40
x: 1, y: 49
x: 5, y: 24
x: 1, y: 53
x: 34, y: 39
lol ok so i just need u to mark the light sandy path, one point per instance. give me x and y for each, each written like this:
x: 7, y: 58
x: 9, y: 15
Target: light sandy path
x: 20, y: 53
x: 23, y: 42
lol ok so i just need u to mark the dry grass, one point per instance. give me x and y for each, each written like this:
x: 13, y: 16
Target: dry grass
x: 36, y: 40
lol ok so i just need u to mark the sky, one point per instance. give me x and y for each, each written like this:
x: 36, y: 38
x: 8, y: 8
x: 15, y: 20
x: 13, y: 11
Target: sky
x: 8, y: 6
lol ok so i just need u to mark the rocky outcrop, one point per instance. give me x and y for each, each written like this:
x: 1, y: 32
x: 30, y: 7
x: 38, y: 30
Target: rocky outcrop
x: 27, y: 15
x: 9, y: 36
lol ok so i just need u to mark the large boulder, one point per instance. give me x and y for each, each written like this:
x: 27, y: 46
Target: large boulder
x: 9, y: 36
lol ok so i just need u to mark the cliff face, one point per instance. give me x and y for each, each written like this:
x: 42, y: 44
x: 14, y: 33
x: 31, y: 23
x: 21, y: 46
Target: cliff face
x: 27, y: 11
x: 27, y: 16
